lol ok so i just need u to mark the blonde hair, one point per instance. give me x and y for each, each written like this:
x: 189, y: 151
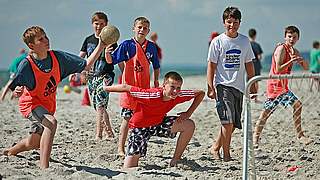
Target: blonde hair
x: 141, y: 19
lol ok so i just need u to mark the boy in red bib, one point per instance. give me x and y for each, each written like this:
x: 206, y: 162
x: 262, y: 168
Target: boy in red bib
x: 150, y: 116
x: 278, y: 92
x: 36, y: 83
x: 134, y: 56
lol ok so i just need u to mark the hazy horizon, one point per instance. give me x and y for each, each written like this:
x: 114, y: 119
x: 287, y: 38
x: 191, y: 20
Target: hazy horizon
x: 183, y: 25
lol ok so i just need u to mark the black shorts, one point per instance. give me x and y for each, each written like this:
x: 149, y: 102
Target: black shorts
x: 229, y: 105
x: 139, y: 137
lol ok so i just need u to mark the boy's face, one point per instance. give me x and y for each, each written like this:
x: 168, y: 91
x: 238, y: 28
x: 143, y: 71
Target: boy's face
x: 291, y: 38
x: 98, y: 25
x: 40, y: 44
x: 141, y: 30
x: 171, y: 88
x: 231, y: 26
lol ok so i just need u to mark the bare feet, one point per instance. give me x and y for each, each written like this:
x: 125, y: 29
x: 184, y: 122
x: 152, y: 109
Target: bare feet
x: 215, y: 154
x: 305, y: 140
x: 7, y: 152
x: 174, y: 162
x: 226, y: 158
x: 109, y: 134
x: 98, y: 137
x: 121, y: 154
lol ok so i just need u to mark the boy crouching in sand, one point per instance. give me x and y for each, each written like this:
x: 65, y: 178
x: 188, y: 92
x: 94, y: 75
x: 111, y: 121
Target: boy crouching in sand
x: 150, y: 119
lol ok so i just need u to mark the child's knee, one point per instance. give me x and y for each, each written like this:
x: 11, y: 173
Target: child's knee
x: 190, y: 125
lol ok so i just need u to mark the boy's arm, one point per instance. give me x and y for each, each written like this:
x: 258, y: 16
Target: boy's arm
x: 156, y: 74
x: 279, y: 57
x: 250, y: 72
x: 211, y: 70
x: 95, y: 55
x: 199, y: 94
x: 302, y: 62
x: 108, y: 51
x: 117, y: 88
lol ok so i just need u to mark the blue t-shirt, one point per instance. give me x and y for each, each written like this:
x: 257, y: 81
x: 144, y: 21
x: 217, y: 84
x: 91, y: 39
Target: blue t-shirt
x: 127, y: 49
x: 68, y: 63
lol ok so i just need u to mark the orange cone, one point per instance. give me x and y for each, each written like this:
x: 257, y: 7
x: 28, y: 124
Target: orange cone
x: 86, y: 98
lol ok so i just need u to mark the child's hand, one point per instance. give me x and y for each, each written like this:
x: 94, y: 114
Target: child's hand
x: 109, y: 49
x: 211, y: 93
x: 182, y: 116
x: 18, y: 91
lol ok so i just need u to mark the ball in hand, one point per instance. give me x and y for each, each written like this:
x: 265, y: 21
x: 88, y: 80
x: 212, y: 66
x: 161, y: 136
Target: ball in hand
x: 110, y: 34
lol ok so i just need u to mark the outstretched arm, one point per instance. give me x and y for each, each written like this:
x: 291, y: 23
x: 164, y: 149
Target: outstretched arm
x: 117, y: 88
x: 199, y: 95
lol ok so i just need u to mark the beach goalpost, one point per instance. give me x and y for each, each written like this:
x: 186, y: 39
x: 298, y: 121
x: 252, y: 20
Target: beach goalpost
x: 308, y: 92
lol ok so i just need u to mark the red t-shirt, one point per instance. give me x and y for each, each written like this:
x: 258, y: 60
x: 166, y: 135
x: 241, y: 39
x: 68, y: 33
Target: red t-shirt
x: 151, y: 109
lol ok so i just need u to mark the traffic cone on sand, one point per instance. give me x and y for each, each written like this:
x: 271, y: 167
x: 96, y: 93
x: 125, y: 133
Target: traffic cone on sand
x: 86, y: 98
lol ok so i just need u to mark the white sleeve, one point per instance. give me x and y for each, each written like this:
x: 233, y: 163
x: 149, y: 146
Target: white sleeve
x: 213, y: 52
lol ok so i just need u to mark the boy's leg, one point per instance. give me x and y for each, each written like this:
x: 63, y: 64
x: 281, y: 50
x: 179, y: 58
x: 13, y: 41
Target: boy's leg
x: 215, y: 148
x: 50, y: 125
x: 260, y: 125
x: 297, y: 109
x: 131, y: 161
x: 186, y: 129
x: 124, y: 128
x: 107, y: 123
x: 227, y: 130
x: 26, y: 144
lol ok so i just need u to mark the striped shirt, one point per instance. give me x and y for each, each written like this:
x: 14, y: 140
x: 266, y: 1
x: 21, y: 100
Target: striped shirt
x: 151, y: 109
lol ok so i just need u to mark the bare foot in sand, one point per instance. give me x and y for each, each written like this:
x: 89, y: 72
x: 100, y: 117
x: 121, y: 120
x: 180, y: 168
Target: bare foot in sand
x: 98, y: 138
x: 174, y: 162
x: 305, y: 140
x: 109, y: 135
x: 121, y: 154
x: 226, y: 158
x: 215, y: 154
x: 6, y: 152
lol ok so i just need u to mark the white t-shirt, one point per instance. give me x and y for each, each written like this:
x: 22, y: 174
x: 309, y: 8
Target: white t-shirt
x: 230, y: 55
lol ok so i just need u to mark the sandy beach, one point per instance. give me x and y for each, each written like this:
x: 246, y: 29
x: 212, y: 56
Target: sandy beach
x: 76, y: 154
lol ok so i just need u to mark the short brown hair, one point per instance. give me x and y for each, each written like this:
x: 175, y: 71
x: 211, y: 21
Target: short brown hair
x: 99, y: 15
x: 173, y: 75
x: 231, y: 12
x: 30, y: 34
x: 291, y: 29
x: 141, y: 19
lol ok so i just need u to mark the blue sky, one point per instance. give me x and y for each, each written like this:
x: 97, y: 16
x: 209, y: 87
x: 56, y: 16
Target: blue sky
x: 183, y: 26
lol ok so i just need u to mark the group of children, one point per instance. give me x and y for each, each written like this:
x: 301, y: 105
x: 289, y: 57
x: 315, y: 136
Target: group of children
x: 145, y: 108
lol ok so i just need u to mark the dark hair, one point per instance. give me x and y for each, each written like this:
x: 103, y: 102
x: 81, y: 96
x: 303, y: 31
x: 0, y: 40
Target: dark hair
x: 99, y: 15
x: 231, y: 12
x: 252, y: 33
x: 291, y: 29
x: 316, y: 44
x: 173, y: 75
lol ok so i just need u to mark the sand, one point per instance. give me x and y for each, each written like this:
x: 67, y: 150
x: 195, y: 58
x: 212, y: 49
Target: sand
x: 76, y: 154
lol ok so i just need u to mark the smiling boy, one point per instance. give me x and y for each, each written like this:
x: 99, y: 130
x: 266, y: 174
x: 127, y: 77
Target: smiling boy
x: 150, y: 116
x: 229, y: 59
